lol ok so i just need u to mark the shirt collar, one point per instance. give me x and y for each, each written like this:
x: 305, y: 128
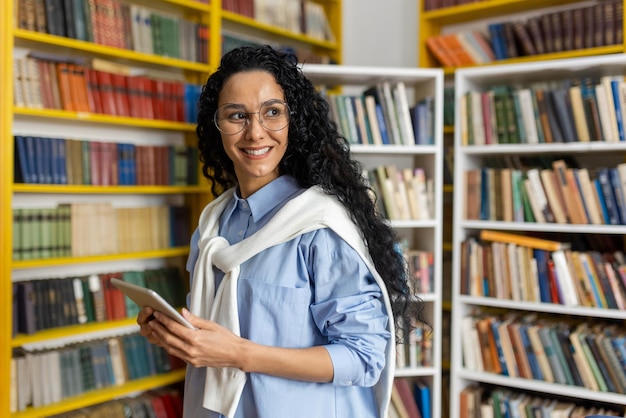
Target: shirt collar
x: 270, y: 196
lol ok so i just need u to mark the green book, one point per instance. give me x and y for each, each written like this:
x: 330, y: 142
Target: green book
x: 17, y: 234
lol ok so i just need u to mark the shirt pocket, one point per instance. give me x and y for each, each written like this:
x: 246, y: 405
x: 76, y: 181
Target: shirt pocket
x: 274, y: 315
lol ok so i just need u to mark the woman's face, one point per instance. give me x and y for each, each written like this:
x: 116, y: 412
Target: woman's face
x: 256, y: 152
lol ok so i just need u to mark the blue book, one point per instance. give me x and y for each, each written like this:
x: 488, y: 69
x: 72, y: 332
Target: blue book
x: 615, y: 90
x: 530, y: 353
x: 422, y: 397
x: 62, y: 160
x: 24, y: 171
x: 620, y: 199
x: 608, y: 197
x: 543, y: 278
x: 384, y: 133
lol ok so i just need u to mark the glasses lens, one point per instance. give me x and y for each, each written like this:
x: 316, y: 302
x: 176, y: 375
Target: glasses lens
x: 232, y: 119
x: 274, y: 115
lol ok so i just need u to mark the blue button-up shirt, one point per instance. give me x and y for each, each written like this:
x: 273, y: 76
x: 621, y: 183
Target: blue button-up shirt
x: 311, y: 291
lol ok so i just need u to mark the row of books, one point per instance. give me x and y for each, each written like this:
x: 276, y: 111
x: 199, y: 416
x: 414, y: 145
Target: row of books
x: 117, y: 24
x: 440, y: 4
x: 565, y: 111
x: 59, y: 302
x: 421, y: 271
x: 497, y: 402
x: 90, y: 229
x: 381, y: 115
x: 158, y: 403
x: 231, y: 40
x: 586, y: 355
x: 416, y: 348
x: 556, y: 31
x: 402, y: 194
x: 409, y: 399
x: 40, y: 160
x: 521, y: 268
x: 55, y: 82
x: 299, y: 16
x: 560, y: 194
x: 47, y: 377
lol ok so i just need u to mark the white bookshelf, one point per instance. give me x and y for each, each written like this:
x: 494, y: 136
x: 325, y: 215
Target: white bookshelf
x: 469, y: 157
x: 420, y: 234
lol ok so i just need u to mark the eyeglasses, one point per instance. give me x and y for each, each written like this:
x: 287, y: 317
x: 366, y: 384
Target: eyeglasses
x: 231, y: 119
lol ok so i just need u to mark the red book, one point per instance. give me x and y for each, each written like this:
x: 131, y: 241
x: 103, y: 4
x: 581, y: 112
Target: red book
x: 158, y: 407
x: 407, y: 397
x: 158, y: 99
x: 105, y: 83
x: 135, y: 93
x: 179, y: 96
x: 169, y: 100
x: 93, y: 92
x: 95, y: 160
x: 146, y: 97
x: 120, y: 93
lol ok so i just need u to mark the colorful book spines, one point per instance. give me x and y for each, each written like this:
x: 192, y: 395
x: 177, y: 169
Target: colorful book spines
x: 63, y: 161
x: 78, y: 229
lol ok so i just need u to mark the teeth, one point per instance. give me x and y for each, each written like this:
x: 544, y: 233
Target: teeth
x: 256, y: 151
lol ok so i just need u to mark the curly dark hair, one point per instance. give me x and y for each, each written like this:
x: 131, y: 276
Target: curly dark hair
x: 317, y: 154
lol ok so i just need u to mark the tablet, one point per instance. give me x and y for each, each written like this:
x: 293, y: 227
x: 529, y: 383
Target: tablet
x: 143, y: 296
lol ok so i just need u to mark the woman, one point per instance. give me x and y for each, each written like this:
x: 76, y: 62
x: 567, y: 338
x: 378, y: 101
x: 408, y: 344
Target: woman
x: 296, y: 284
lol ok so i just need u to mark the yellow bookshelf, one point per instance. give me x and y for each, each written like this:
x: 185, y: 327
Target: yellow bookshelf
x: 90, y: 126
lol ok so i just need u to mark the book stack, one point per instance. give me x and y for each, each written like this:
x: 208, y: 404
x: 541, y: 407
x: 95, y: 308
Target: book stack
x: 117, y: 24
x: 60, y: 302
x: 526, y: 346
x: 382, y: 116
x: 299, y: 16
x: 402, y: 194
x: 531, y: 269
x: 91, y: 229
x: 440, y: 4
x: 55, y: 82
x: 49, y: 376
x: 41, y: 160
x: 555, y: 192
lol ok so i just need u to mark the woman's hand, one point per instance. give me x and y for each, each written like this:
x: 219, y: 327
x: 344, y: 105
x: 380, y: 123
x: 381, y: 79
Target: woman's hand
x: 211, y: 345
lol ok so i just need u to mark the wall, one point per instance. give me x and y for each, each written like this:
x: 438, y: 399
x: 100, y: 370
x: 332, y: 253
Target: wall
x: 380, y: 32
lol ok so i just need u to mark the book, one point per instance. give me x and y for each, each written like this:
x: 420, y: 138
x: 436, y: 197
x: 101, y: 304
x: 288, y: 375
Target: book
x: 522, y: 240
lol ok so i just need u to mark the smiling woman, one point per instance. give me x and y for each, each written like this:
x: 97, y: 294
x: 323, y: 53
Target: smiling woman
x: 296, y: 286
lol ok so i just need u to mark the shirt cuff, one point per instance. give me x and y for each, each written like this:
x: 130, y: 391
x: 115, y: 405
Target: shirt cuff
x: 344, y: 364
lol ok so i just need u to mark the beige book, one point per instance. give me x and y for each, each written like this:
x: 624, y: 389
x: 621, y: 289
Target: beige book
x: 553, y: 195
x: 580, y: 121
x: 372, y: 118
x: 589, y: 196
x: 540, y: 354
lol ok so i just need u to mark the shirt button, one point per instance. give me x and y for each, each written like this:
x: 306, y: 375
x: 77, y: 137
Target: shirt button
x: 348, y: 382
x: 241, y: 233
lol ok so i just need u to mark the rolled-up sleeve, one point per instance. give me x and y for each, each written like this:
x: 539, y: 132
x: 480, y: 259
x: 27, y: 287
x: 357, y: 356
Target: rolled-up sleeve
x: 348, y: 309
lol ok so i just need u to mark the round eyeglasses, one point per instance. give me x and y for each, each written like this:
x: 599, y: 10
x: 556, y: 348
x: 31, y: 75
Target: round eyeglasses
x: 231, y: 119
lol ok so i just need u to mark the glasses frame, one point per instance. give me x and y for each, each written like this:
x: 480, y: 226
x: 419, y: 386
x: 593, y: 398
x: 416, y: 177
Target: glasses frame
x: 248, y: 114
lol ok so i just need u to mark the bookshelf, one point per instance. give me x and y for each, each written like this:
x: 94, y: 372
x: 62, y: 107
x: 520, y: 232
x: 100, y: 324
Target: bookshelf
x: 418, y: 234
x: 89, y: 127
x: 523, y: 302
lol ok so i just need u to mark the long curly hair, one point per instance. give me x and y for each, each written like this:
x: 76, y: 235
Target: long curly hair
x: 317, y: 154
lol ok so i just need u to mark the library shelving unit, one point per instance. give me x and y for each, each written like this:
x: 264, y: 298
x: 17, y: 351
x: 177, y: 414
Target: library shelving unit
x: 419, y: 234
x: 16, y: 120
x: 472, y: 303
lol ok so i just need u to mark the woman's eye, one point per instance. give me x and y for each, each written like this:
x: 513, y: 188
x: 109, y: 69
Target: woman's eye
x: 237, y: 116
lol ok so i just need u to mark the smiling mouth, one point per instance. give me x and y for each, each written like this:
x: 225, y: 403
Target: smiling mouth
x: 256, y: 151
